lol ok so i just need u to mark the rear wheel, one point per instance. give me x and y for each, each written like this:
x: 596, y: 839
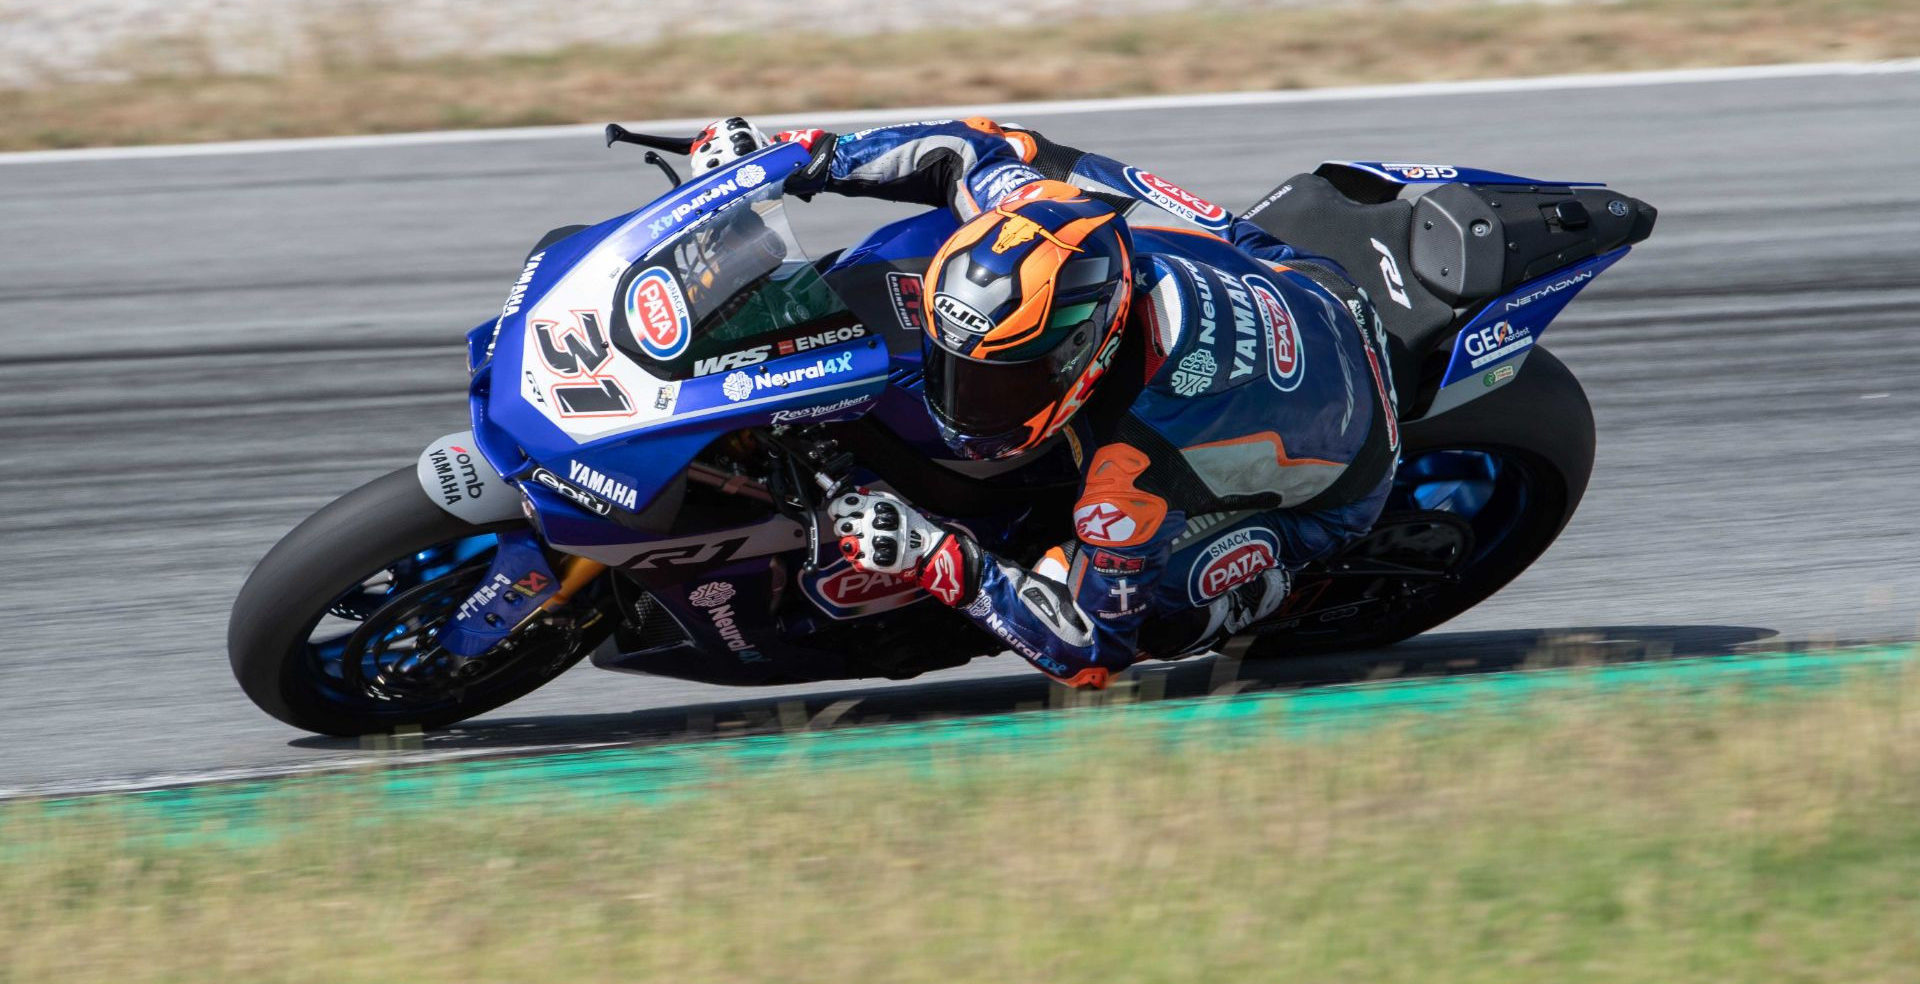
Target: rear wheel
x: 1480, y: 494
x: 333, y: 631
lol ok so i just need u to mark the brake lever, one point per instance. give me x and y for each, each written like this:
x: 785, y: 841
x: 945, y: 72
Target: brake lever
x: 830, y: 486
x: 673, y: 180
x: 615, y: 133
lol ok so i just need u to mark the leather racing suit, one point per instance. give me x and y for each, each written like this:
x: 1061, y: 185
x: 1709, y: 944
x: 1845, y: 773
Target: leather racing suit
x: 1262, y: 436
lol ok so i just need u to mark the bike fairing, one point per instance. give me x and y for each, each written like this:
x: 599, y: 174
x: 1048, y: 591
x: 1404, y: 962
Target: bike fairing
x: 1192, y: 269
x: 1510, y: 505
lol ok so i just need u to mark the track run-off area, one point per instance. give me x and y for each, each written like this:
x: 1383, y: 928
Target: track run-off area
x: 200, y: 346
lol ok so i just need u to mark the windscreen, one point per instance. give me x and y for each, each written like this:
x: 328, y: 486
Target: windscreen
x: 732, y: 289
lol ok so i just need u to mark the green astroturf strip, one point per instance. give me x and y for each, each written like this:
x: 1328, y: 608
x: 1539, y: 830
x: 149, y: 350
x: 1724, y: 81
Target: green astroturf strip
x: 249, y: 810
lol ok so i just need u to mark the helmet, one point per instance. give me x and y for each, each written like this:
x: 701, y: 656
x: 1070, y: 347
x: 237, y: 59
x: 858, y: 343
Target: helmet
x: 724, y: 141
x: 1024, y: 308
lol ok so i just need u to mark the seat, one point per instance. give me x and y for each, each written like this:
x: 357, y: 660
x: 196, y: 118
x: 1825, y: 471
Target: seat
x: 1370, y: 241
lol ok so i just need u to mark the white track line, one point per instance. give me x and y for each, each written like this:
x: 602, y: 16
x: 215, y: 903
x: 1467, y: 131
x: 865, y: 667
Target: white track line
x: 390, y: 759
x: 1009, y: 111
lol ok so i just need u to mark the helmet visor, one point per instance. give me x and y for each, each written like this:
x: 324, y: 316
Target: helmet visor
x: 977, y: 397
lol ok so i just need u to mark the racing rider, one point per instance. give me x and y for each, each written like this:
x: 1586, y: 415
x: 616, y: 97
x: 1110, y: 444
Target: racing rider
x: 1238, y: 414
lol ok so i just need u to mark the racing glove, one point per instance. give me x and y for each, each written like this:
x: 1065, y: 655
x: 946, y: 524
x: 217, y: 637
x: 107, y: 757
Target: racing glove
x: 812, y: 179
x: 881, y: 534
x: 724, y: 141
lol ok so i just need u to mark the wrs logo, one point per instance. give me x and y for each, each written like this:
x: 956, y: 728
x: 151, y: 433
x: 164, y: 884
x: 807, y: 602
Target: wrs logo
x: 657, y: 314
x: 1177, y: 200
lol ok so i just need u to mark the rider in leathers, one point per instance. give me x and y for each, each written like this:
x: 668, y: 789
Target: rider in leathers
x: 1259, y: 435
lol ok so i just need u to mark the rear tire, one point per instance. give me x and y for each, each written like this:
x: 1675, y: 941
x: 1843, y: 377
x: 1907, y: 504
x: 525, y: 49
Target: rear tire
x: 1540, y: 424
x: 307, y: 572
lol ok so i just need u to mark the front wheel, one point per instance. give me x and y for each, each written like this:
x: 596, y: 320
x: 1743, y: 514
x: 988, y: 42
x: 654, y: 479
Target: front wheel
x: 1480, y: 494
x: 333, y: 632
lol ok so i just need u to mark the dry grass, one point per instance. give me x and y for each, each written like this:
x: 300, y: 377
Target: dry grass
x: 1658, y: 840
x: 362, y: 85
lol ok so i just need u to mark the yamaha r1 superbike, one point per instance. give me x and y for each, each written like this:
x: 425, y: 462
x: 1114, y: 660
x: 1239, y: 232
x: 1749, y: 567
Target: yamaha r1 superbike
x: 668, y: 397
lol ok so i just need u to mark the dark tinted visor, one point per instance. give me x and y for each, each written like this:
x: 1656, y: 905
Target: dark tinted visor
x: 980, y: 398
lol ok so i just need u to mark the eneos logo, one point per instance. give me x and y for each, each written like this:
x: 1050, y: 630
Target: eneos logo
x: 657, y: 314
x: 1176, y: 199
x: 1232, y: 560
x: 1285, y: 364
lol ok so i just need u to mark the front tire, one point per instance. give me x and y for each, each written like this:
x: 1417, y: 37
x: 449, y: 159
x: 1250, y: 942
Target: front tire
x: 383, y: 545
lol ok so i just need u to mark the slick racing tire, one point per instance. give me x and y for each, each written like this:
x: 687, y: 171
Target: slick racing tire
x: 361, y: 556
x: 1530, y: 447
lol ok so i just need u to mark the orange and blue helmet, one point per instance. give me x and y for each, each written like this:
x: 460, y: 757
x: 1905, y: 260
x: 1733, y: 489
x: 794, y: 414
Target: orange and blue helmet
x: 1025, y: 304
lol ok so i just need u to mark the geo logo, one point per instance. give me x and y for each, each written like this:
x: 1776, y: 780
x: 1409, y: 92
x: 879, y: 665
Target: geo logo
x: 657, y: 314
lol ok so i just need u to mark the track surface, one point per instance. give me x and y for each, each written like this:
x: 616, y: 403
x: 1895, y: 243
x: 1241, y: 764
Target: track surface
x: 197, y: 352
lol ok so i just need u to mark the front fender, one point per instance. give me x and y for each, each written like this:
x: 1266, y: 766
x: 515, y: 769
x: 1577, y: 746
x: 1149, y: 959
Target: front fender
x: 458, y: 479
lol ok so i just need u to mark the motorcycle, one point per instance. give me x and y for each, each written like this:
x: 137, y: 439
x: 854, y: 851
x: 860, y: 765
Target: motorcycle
x: 667, y: 398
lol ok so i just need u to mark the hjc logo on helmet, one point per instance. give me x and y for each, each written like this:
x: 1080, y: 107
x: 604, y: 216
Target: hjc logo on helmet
x: 1028, y: 301
x: 952, y: 311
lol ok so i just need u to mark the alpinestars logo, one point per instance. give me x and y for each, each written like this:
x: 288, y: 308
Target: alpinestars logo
x: 1103, y: 523
x: 941, y: 579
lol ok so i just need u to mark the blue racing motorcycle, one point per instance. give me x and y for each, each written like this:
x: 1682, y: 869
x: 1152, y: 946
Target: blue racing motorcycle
x: 667, y: 398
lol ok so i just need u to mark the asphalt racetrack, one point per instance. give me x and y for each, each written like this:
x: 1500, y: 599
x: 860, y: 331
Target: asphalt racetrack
x: 201, y: 350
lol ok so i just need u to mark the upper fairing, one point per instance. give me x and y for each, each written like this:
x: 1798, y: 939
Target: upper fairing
x: 582, y: 401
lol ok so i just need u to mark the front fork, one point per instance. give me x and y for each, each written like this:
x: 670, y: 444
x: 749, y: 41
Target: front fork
x: 514, y: 593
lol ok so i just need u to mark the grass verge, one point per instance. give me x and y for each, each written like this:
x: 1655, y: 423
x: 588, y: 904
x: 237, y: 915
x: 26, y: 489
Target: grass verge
x: 368, y: 87
x: 1643, y: 837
